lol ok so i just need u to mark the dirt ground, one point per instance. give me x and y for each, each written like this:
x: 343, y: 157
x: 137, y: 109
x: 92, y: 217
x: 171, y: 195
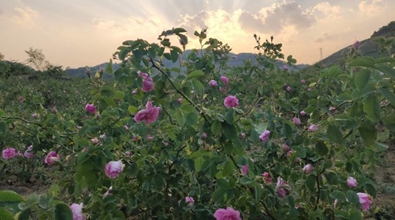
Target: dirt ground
x: 385, y: 179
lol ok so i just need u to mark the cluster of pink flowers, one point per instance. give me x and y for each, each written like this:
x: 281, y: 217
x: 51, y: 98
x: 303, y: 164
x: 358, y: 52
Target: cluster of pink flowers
x: 149, y: 114
x: 148, y: 82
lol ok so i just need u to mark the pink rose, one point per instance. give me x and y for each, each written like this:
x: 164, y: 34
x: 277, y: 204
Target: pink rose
x: 244, y: 170
x: 179, y: 100
x: 365, y: 200
x: 148, y: 84
x: 286, y: 148
x: 113, y: 169
x: 28, y: 154
x: 227, y: 214
x: 231, y: 101
x: 213, y: 83
x: 95, y: 140
x: 308, y: 168
x: 264, y: 136
x: 285, y: 67
x: 313, y: 128
x: 303, y: 81
x: 224, y: 80
x: 9, y: 153
x: 51, y: 158
x: 149, y: 114
x: 296, y: 121
x: 204, y: 135
x: 90, y: 108
x: 189, y: 200
x: 77, y: 211
x: 266, y: 177
x: 288, y: 88
x: 351, y: 182
x: 302, y: 113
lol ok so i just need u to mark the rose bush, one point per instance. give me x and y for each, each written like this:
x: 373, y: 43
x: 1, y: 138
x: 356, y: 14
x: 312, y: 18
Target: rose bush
x: 190, y: 159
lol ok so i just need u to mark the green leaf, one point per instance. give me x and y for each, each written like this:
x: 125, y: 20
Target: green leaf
x: 245, y: 180
x: 8, y: 197
x: 370, y: 189
x: 334, y: 134
x: 63, y: 212
x: 321, y: 148
x: 339, y: 195
x: 191, y: 119
x: 194, y: 74
x: 388, y: 95
x: 198, y: 163
x: 332, y: 178
x: 229, y: 168
x: 5, y: 215
x: 43, y: 201
x: 198, y: 86
x: 180, y: 118
x: 352, y: 197
x: 362, y: 79
x: 356, y: 214
x: 108, y: 69
x: 387, y: 70
x: 362, y: 61
x: 368, y: 134
x: 159, y: 181
x: 216, y: 127
x: 174, y: 55
x: 310, y: 182
x: 229, y: 131
x: 132, y: 110
x: 229, y: 117
x: 371, y: 107
x: 287, y: 130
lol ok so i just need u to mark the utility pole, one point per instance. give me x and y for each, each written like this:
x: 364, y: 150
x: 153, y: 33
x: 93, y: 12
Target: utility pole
x: 321, y: 53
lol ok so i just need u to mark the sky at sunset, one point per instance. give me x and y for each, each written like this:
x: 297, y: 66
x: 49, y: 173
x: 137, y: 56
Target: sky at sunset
x: 77, y: 33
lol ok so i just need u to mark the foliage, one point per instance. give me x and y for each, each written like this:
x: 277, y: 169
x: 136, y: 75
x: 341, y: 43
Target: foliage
x: 200, y: 154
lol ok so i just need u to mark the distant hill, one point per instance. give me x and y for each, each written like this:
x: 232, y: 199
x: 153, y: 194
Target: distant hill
x: 367, y: 47
x: 235, y: 60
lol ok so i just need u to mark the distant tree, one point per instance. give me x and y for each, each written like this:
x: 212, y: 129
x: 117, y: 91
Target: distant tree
x: 37, y: 59
x: 1, y: 56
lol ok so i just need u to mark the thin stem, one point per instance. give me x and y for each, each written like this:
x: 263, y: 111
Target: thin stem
x: 178, y: 90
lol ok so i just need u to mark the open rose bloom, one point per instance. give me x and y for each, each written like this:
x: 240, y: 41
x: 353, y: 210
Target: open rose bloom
x: 51, y: 158
x: 77, y: 211
x: 149, y: 114
x: 227, y: 214
x: 8, y: 153
x: 113, y: 169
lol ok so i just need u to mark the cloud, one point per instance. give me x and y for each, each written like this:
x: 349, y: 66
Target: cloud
x: 324, y: 37
x: 276, y: 17
x: 324, y: 11
x: 221, y: 24
x: 25, y: 16
x: 372, y: 7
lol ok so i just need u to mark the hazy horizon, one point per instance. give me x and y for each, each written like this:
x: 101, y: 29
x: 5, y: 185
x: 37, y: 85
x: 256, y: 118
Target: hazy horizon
x: 76, y: 34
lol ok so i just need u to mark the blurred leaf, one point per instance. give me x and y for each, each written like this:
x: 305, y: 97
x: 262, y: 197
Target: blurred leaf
x: 229, y: 168
x: 334, y: 134
x: 388, y: 95
x: 321, y: 148
x: 362, y: 79
x: 194, y: 74
x: 8, y: 197
x: 371, y: 107
x: 362, y: 61
x: 108, y: 69
x: 198, y: 86
x: 5, y: 215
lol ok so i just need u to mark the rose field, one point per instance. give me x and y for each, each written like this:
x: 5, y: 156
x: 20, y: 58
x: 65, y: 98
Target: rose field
x: 200, y: 139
